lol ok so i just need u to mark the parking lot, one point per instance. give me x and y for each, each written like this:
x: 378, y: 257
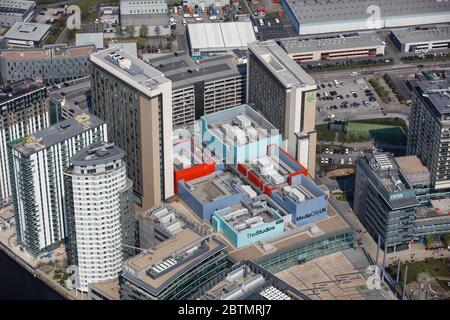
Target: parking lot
x: 342, y: 99
x: 271, y: 28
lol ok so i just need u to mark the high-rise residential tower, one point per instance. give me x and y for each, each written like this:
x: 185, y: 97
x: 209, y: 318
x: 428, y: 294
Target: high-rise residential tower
x: 37, y: 165
x: 99, y: 213
x: 23, y: 111
x: 286, y: 95
x: 429, y: 130
x: 136, y: 101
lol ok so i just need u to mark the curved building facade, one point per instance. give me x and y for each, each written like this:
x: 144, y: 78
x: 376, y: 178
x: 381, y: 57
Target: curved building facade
x: 97, y: 189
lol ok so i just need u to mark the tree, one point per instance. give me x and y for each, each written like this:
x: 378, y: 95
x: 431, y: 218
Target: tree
x: 130, y: 30
x: 428, y: 240
x: 445, y: 238
x: 157, y: 30
x: 143, y: 31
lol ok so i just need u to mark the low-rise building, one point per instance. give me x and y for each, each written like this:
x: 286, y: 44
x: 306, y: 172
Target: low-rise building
x: 237, y: 135
x: 333, y: 47
x: 181, y: 262
x: 303, y: 200
x: 272, y: 170
x: 252, y: 220
x: 27, y: 35
x: 421, y: 39
x: 12, y: 11
x: 51, y: 64
x: 209, y: 39
x: 210, y: 193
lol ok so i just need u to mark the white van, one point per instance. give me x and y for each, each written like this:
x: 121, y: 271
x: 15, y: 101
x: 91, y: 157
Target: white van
x: 261, y: 22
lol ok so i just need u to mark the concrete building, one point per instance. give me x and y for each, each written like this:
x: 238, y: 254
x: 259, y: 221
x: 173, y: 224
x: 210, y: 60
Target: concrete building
x: 136, y: 101
x: 250, y: 221
x: 12, y: 11
x: 328, y: 16
x: 303, y: 200
x: 27, y: 35
x: 298, y: 245
x: 68, y: 102
x: 23, y: 111
x: 429, y: 129
x: 209, y: 39
x: 210, y: 193
x: 245, y: 280
x: 205, y: 3
x: 418, y: 40
x: 272, y: 170
x: 96, y: 39
x: 286, y: 95
x: 333, y: 47
x: 182, y: 260
x: 37, y: 165
x: 237, y: 135
x: 51, y: 64
x: 385, y: 201
x: 201, y: 88
x: 96, y: 252
x: 153, y: 14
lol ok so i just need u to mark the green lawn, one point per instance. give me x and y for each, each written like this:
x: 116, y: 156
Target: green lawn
x: 387, y: 130
x: 366, y: 131
x: 435, y: 268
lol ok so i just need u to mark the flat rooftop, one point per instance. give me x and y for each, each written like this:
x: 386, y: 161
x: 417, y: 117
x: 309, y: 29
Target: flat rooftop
x: 15, y: 6
x: 239, y: 125
x: 317, y: 11
x: 220, y: 36
x: 97, y: 153
x: 436, y: 94
x: 184, y: 71
x: 18, y: 89
x: 57, y: 133
x: 288, y: 72
x: 27, y: 31
x: 297, y: 236
x: 250, y: 213
x: 413, y: 168
x: 129, y: 69
x: 441, y: 33
x: 215, y: 185
x: 184, y: 249
x: 305, y: 44
x: 109, y: 289
x: 47, y: 52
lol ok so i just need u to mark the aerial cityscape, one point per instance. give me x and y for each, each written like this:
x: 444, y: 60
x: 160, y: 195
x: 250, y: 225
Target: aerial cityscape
x: 199, y: 150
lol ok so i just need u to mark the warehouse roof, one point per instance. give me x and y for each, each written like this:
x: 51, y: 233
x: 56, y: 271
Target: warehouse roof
x: 183, y: 70
x: 422, y: 34
x: 221, y: 36
x: 331, y: 43
x: 316, y: 11
x: 27, y: 31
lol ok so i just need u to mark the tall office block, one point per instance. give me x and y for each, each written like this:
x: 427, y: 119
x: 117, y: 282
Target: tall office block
x: 429, y: 130
x: 98, y: 204
x: 385, y: 201
x: 136, y: 102
x: 37, y: 165
x: 286, y: 95
x: 23, y: 111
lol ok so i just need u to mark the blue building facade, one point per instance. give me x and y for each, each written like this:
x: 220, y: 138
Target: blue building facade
x: 312, y: 208
x: 247, y: 236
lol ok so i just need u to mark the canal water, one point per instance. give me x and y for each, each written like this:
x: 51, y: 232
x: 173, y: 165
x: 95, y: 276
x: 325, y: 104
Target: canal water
x: 16, y: 283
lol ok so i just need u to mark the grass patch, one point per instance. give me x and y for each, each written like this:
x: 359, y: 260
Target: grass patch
x: 381, y: 132
x: 435, y: 268
x: 324, y: 134
x: 386, y: 130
